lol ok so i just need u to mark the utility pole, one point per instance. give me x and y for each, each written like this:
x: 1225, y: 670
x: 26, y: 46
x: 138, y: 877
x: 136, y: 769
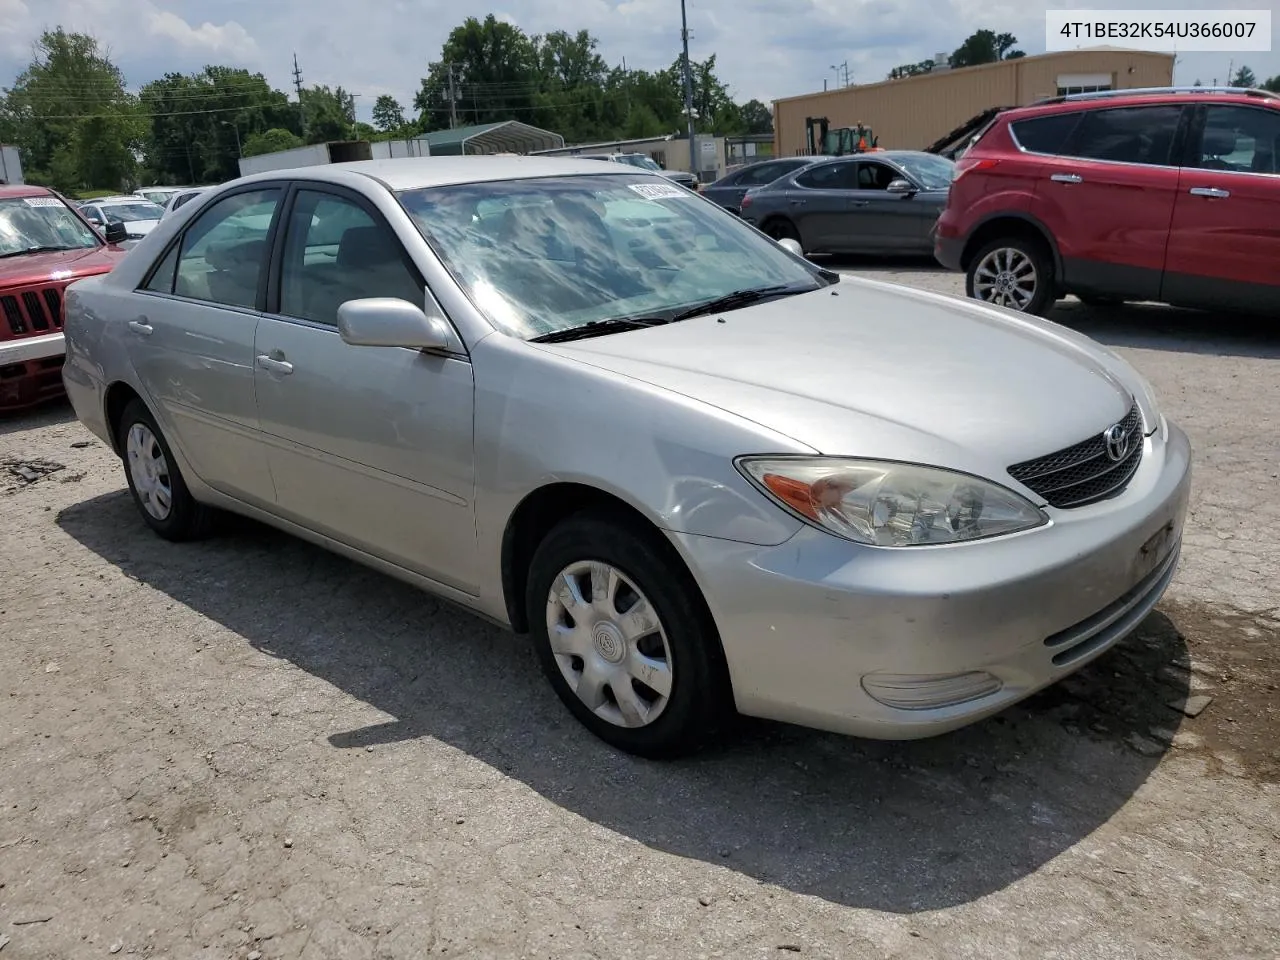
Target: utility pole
x: 688, y: 88
x: 842, y: 70
x: 297, y: 83
x: 453, y: 99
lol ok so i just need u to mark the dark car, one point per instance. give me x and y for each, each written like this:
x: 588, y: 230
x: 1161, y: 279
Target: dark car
x: 729, y: 190
x: 886, y: 202
x: 1167, y: 194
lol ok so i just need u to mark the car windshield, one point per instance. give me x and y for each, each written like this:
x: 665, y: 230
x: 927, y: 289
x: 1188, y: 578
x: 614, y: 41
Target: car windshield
x: 933, y: 172
x: 157, y: 196
x: 639, y: 160
x: 131, y: 212
x: 552, y: 254
x: 41, y: 223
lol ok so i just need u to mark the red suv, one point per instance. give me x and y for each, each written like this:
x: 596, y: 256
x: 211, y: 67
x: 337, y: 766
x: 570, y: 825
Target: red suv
x: 44, y: 245
x: 1169, y: 194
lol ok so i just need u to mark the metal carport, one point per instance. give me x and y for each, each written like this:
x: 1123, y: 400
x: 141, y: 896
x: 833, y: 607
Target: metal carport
x: 506, y: 136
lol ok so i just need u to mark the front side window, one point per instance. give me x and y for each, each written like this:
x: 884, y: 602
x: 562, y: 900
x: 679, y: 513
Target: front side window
x: 765, y: 173
x: 1127, y: 135
x: 34, y: 224
x: 1240, y: 139
x: 131, y: 212
x: 335, y: 251
x: 876, y: 176
x: 930, y: 171
x: 225, y: 249
x: 551, y: 254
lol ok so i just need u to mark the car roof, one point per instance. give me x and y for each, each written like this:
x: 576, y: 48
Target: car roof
x: 413, y: 173
x: 122, y: 198
x: 18, y: 190
x: 1105, y: 99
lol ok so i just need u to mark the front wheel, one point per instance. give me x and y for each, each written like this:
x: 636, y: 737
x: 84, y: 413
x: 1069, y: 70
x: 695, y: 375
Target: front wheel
x: 624, y: 639
x: 1015, y: 273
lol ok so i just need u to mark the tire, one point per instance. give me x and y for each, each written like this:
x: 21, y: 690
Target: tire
x: 995, y: 271
x: 1095, y: 300
x: 781, y: 228
x: 154, y: 477
x: 608, y: 648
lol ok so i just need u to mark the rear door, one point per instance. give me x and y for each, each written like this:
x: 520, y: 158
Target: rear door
x: 730, y: 194
x: 1224, y: 246
x: 1108, y: 197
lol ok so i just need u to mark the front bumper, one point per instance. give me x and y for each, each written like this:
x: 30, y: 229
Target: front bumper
x: 30, y: 371
x: 807, y: 623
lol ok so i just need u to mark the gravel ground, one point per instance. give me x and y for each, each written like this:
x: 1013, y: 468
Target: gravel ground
x: 248, y: 748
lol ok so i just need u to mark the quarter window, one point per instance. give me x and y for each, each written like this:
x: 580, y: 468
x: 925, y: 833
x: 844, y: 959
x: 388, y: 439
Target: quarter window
x: 1126, y: 135
x: 335, y: 251
x: 161, y: 280
x: 223, y: 252
x: 1240, y: 139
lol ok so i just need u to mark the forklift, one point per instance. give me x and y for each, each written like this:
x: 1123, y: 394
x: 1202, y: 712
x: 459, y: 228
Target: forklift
x: 822, y: 140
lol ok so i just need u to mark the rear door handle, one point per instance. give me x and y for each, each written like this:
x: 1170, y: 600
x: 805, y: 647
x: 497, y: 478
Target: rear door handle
x: 798, y: 203
x: 1067, y: 178
x: 141, y: 327
x: 1216, y: 192
x: 274, y: 365
x: 860, y: 203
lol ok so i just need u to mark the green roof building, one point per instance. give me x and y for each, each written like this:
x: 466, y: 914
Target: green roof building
x: 506, y: 136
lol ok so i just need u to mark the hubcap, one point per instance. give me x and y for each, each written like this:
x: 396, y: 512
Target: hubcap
x: 1006, y: 277
x: 149, y: 470
x: 609, y: 644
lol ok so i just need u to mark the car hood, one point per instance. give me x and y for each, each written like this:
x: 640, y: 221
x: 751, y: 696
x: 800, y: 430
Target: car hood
x: 869, y: 369
x: 56, y: 265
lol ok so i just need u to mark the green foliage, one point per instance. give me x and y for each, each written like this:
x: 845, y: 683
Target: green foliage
x: 1244, y: 77
x: 388, y: 115
x: 330, y: 114
x: 911, y: 69
x: 985, y: 46
x: 271, y: 141
x: 71, y: 117
x: 1273, y: 84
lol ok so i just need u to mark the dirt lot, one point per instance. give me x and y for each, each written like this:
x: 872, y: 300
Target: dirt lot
x: 249, y: 748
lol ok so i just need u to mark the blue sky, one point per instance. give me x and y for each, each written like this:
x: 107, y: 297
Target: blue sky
x: 766, y: 48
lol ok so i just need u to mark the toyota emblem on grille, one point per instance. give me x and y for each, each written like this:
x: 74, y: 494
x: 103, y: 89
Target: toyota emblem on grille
x: 1117, y: 439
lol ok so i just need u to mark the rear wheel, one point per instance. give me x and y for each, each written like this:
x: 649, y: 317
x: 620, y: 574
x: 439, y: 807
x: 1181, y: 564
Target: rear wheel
x: 158, y: 490
x: 624, y: 639
x: 781, y: 229
x: 1013, y: 272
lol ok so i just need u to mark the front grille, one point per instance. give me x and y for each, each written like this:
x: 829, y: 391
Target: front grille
x: 34, y: 311
x: 1084, y: 473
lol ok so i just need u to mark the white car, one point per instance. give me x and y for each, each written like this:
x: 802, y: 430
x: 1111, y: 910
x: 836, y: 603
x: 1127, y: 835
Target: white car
x: 159, y: 195
x: 181, y: 199
x: 139, y: 216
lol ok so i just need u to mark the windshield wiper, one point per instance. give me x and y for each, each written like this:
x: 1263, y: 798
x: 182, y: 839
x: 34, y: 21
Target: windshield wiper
x: 598, y: 328
x: 741, y: 298
x: 21, y: 253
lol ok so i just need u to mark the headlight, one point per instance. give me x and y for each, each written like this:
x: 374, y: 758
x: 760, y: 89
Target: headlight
x: 887, y: 504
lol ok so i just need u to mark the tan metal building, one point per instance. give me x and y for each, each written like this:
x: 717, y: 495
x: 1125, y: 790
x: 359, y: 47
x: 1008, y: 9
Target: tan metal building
x: 913, y: 112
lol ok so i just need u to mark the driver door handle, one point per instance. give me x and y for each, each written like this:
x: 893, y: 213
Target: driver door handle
x: 274, y: 365
x: 141, y: 327
x: 796, y: 202
x: 1067, y: 178
x: 1216, y: 192
x: 860, y: 203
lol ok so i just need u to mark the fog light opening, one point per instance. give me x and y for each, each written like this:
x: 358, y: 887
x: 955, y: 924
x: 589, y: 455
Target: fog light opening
x: 929, y: 692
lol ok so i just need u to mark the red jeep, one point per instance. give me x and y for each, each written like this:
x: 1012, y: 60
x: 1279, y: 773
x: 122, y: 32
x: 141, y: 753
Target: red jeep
x: 44, y: 244
x: 1169, y: 194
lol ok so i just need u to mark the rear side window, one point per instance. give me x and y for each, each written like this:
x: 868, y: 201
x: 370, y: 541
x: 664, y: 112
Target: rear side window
x: 1044, y: 134
x: 830, y: 176
x: 1126, y: 135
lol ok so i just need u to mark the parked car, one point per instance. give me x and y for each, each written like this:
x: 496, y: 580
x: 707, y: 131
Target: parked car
x: 703, y: 478
x: 181, y: 198
x: 643, y: 161
x: 1168, y: 195
x: 885, y: 202
x: 139, y: 217
x: 160, y: 196
x: 44, y: 245
x: 729, y: 190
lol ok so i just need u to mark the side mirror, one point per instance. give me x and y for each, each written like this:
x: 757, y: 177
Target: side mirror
x: 786, y: 243
x: 901, y: 186
x: 389, y: 322
x: 114, y: 232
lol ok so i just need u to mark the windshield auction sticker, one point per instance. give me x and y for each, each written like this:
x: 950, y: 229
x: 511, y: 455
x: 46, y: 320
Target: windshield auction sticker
x: 42, y: 201
x: 658, y: 191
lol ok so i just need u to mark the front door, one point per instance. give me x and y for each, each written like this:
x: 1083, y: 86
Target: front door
x: 192, y: 342
x: 880, y: 221
x: 821, y: 206
x: 371, y: 446
x: 1110, y: 195
x: 1224, y: 247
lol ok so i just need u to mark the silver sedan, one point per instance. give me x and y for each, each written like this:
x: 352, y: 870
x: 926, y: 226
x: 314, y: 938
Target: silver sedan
x: 703, y: 473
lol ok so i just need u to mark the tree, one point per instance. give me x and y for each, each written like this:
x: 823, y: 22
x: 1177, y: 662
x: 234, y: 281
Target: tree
x: 756, y: 117
x: 388, y: 115
x: 69, y: 113
x: 271, y: 141
x: 330, y: 114
x: 985, y: 46
x: 1244, y: 77
x: 571, y: 77
x: 490, y: 69
x: 911, y: 69
x: 1273, y: 84
x: 199, y: 120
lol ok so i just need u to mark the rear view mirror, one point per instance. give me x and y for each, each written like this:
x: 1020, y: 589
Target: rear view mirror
x: 114, y: 232
x: 390, y: 322
x: 786, y: 243
x: 901, y: 186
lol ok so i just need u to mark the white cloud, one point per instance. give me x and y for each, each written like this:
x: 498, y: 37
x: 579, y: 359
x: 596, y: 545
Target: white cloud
x: 764, y: 48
